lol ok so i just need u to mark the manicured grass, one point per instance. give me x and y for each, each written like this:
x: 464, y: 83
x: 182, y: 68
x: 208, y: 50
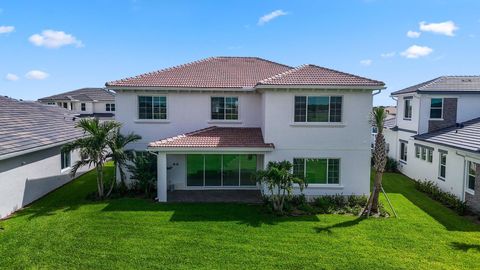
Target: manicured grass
x: 64, y: 230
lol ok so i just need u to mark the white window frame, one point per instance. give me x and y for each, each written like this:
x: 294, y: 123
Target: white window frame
x: 319, y: 123
x: 62, y: 160
x: 319, y: 184
x: 405, y: 151
x: 165, y: 121
x: 467, y: 173
x: 440, y: 154
x: 441, y: 109
x: 238, y: 120
x: 409, y: 99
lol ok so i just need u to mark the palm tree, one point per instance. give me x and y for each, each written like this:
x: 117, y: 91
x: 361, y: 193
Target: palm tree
x: 120, y: 156
x: 379, y: 158
x: 93, y: 147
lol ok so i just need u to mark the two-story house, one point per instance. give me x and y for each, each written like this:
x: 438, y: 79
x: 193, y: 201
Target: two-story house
x: 437, y: 134
x: 85, y: 102
x: 212, y: 123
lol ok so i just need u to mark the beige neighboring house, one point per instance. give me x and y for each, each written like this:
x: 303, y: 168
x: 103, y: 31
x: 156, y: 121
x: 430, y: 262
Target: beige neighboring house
x: 86, y: 102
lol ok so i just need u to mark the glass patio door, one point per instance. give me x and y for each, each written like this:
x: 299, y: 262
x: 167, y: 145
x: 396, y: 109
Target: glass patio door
x: 221, y: 170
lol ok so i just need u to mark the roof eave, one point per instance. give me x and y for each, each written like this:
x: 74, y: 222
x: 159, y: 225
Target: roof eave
x: 185, y: 150
x: 310, y: 86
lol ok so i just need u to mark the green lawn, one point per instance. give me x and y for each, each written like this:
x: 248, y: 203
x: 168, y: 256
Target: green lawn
x: 64, y: 230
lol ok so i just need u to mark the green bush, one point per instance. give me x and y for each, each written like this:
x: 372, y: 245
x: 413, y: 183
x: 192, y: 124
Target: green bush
x: 446, y: 198
x: 391, y: 165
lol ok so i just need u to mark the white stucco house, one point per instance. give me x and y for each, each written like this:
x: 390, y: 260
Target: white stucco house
x: 31, y: 163
x: 214, y: 122
x: 86, y: 102
x: 437, y: 134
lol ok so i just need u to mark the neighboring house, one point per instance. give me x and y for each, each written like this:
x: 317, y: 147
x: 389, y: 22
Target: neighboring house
x: 437, y: 134
x: 31, y: 164
x: 96, y: 102
x: 391, y: 111
x: 214, y: 122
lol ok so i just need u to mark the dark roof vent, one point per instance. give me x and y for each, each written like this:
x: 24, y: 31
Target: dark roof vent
x: 466, y: 80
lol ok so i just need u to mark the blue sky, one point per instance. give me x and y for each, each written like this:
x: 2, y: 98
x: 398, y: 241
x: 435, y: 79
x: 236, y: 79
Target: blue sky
x: 47, y: 47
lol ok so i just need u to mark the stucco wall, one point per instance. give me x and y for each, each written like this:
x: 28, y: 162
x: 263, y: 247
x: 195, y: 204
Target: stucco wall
x: 417, y: 106
x: 24, y: 179
x: 349, y: 140
x: 186, y: 112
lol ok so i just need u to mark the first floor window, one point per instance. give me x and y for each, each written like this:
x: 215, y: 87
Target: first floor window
x: 317, y: 170
x: 443, y: 165
x: 403, y: 151
x: 224, y: 108
x: 472, y: 172
x: 64, y: 160
x: 150, y: 107
x: 318, y: 109
x: 110, y: 107
x: 436, y: 108
x: 424, y: 152
x: 216, y: 170
x: 82, y: 107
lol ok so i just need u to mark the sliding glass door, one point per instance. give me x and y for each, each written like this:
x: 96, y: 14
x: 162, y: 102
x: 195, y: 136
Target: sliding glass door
x: 221, y: 170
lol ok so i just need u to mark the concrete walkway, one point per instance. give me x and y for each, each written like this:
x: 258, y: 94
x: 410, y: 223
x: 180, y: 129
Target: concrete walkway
x: 239, y: 196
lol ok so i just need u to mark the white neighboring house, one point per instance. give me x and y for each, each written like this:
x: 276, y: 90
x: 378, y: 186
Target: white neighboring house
x: 96, y: 102
x: 437, y: 134
x: 31, y: 163
x: 212, y: 123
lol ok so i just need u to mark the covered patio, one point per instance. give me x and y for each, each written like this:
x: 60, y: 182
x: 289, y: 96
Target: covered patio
x: 215, y: 164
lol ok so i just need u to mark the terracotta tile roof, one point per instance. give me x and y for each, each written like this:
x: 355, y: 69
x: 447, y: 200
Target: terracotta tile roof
x: 214, y: 72
x: 216, y: 137
x: 242, y: 72
x: 315, y: 75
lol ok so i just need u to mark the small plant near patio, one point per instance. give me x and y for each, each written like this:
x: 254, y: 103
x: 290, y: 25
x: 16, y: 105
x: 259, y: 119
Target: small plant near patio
x: 144, y: 174
x: 446, y: 198
x: 391, y: 165
x: 279, y: 180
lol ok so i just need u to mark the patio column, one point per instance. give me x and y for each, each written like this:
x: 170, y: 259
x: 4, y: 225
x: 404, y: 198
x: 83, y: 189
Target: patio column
x: 162, y: 177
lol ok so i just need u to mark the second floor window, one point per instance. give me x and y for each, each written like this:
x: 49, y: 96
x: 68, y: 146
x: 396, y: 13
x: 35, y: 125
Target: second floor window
x: 150, y: 107
x: 436, y: 108
x: 110, y: 107
x: 224, y: 108
x: 318, y: 109
x: 407, y: 112
x: 82, y: 107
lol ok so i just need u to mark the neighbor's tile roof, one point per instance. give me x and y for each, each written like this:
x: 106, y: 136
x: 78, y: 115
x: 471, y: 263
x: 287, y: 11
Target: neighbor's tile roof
x: 214, y: 72
x: 315, y: 75
x: 216, y: 137
x: 242, y: 72
x: 464, y: 136
x: 445, y: 84
x: 83, y: 94
x: 25, y: 125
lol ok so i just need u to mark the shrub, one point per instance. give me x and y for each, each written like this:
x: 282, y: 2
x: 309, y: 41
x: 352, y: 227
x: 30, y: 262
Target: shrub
x: 391, y: 165
x: 144, y: 174
x: 446, y: 198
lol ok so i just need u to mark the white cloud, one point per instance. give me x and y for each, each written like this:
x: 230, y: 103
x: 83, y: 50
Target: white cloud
x: 388, y: 54
x: 6, y: 29
x: 54, y: 39
x: 270, y: 16
x: 444, y: 28
x: 366, y: 62
x: 11, y: 77
x: 413, y: 34
x: 416, y: 51
x: 36, y: 75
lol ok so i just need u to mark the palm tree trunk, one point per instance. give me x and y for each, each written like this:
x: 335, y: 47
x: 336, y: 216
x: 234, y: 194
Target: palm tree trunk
x: 99, y: 181
x: 376, y: 193
x: 114, y: 181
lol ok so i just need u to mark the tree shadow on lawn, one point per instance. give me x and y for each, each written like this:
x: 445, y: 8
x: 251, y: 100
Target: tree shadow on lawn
x: 345, y: 224
x: 465, y: 247
x: 249, y: 214
x: 400, y: 184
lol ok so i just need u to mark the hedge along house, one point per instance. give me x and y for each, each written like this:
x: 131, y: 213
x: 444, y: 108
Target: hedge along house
x: 212, y: 123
